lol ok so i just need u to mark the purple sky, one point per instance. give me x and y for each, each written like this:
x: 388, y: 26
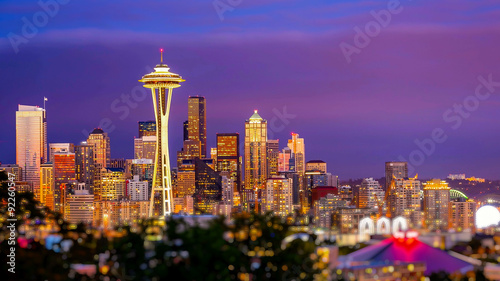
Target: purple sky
x: 268, y: 55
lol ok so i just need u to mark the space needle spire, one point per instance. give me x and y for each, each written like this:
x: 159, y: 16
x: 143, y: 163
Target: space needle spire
x: 161, y: 82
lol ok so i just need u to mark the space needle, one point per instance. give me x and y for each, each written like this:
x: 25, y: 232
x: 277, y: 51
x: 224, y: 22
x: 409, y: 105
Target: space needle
x: 162, y: 82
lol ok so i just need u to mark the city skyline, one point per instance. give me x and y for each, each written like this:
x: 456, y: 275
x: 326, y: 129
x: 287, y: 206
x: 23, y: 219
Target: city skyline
x: 365, y: 115
x: 310, y: 140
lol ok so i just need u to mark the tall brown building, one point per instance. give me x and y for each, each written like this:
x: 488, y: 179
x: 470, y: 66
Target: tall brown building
x: 228, y: 157
x: 102, y: 153
x: 197, y: 122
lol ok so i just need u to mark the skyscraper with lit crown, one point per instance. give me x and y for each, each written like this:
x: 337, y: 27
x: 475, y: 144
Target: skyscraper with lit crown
x: 162, y: 82
x: 255, y: 156
x: 436, y: 200
x: 102, y: 150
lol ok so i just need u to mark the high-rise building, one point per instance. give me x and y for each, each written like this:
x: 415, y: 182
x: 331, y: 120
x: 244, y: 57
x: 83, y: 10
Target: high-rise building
x: 85, y: 169
x: 277, y: 197
x: 137, y: 190
x: 110, y: 184
x: 371, y: 194
x: 102, y: 151
x: 398, y: 170
x: 64, y: 175
x: 186, y: 181
x: 197, y: 122
x: 79, y: 205
x: 145, y: 147
x: 296, y: 182
x: 273, y: 152
x: 255, y: 157
x: 436, y: 204
x: 297, y: 146
x: 208, y: 187
x: 147, y: 128
x: 31, y: 143
x: 286, y: 161
x: 161, y: 82
x: 404, y: 200
x: 60, y: 148
x: 462, y: 215
x: 47, y: 185
x: 228, y: 157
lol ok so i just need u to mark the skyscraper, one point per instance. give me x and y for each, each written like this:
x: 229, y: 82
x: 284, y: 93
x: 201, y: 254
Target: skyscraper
x: 273, y: 153
x: 186, y: 181
x: 31, y: 143
x: 84, y: 165
x: 147, y: 128
x: 436, y: 200
x: 286, y: 162
x: 277, y: 197
x: 47, y: 185
x: 461, y: 214
x: 404, y: 200
x: 197, y: 122
x: 255, y: 156
x: 64, y: 175
x: 110, y: 184
x: 370, y: 194
x: 228, y: 157
x: 208, y: 187
x: 162, y: 82
x: 79, y: 204
x: 398, y: 170
x: 297, y: 146
x: 102, y: 151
